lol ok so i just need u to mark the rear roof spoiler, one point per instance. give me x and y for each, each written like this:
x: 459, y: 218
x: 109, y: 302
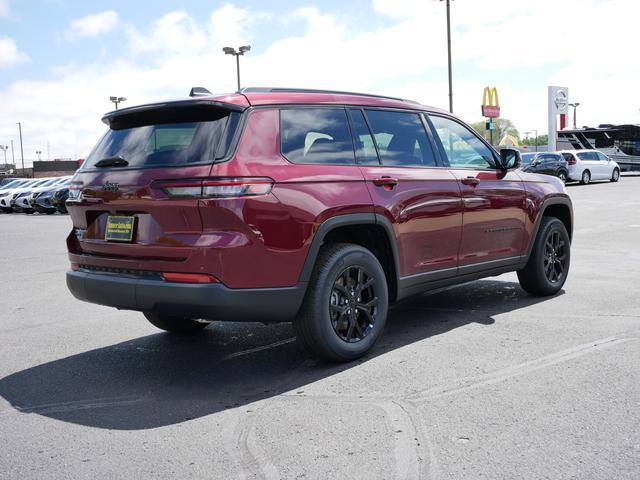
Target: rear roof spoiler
x: 175, y: 106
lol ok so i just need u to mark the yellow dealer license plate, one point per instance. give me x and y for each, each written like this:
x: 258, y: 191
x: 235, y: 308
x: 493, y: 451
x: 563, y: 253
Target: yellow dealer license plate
x: 119, y: 228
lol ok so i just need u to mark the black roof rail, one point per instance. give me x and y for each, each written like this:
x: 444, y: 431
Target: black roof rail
x: 199, y: 92
x: 311, y: 90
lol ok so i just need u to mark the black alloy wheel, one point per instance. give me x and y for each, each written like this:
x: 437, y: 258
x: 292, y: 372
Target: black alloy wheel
x: 353, y: 305
x: 345, y: 307
x: 555, y: 257
x: 548, y: 265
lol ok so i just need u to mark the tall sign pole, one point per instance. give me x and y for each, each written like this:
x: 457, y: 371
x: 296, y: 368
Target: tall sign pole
x: 490, y: 108
x: 558, y: 104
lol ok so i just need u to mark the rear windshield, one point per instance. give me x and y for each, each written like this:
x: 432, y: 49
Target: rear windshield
x: 165, y: 142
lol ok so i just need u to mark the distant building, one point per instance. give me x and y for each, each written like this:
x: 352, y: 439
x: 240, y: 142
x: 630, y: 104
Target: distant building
x: 55, y: 168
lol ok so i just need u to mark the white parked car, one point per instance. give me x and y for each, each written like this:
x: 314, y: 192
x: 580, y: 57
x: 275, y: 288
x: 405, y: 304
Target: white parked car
x: 587, y: 165
x: 20, y: 203
x: 25, y: 202
x: 7, y: 195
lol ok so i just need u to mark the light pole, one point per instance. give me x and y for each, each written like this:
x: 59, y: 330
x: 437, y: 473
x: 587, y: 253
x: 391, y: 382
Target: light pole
x: 117, y: 100
x: 449, y: 53
x: 38, y: 153
x: 536, y: 140
x: 21, y: 149
x: 13, y: 157
x: 4, y: 149
x: 575, y: 107
x: 240, y: 51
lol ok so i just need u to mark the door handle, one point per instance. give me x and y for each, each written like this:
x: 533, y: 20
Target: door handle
x: 470, y: 181
x: 386, y: 182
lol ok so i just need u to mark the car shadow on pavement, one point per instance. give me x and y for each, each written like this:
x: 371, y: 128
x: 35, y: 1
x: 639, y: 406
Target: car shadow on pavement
x: 161, y: 379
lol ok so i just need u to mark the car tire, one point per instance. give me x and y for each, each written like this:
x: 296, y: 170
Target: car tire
x: 345, y: 307
x: 173, y: 324
x: 615, y: 176
x: 548, y: 265
x: 586, y: 177
x: 562, y: 175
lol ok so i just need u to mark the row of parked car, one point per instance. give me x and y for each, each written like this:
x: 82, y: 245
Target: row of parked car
x: 572, y: 165
x: 31, y: 195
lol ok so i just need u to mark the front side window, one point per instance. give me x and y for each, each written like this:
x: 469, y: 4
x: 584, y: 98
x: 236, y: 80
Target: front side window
x: 316, y: 135
x: 462, y: 147
x: 401, y: 139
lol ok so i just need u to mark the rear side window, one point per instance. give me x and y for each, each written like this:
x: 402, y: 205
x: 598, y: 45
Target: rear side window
x: 164, y: 142
x: 401, y: 139
x: 587, y: 156
x: 316, y: 135
x: 567, y: 156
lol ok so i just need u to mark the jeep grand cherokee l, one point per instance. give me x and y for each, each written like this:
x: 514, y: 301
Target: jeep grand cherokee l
x: 319, y: 208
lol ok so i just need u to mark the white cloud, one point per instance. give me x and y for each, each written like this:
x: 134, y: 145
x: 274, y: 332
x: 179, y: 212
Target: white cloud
x: 9, y: 53
x: 92, y: 25
x: 404, y: 55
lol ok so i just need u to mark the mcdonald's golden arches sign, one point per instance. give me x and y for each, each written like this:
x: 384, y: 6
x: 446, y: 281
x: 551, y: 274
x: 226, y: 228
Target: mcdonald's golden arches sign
x: 490, y: 103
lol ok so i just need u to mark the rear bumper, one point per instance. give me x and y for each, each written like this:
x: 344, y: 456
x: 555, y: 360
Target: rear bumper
x: 205, y: 301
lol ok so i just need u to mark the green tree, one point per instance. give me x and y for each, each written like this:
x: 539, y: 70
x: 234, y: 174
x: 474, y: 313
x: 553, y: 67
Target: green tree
x: 531, y: 141
x: 502, y: 127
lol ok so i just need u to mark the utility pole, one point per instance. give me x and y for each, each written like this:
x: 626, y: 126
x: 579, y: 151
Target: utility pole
x: 4, y: 148
x: 13, y: 157
x: 21, y: 149
x: 448, y: 3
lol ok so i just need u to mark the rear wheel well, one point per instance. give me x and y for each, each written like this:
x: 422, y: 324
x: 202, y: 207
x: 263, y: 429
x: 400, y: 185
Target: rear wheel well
x: 562, y: 213
x: 375, y: 239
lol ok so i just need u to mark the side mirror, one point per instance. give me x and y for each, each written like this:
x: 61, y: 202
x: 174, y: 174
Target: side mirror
x: 510, y: 158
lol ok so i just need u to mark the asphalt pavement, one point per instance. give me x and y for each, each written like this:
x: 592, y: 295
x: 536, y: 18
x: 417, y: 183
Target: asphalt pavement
x: 478, y: 381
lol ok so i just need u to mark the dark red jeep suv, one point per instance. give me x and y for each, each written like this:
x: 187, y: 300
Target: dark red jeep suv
x: 315, y: 207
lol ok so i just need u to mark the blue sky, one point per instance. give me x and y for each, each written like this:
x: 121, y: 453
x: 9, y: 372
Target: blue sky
x: 60, y: 60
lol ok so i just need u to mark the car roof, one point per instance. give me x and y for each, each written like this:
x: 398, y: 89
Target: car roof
x: 581, y: 150
x: 264, y: 96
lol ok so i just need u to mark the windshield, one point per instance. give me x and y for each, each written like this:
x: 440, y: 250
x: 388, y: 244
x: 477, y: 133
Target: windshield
x: 162, y: 144
x: 527, y: 158
x: 11, y: 184
x: 47, y: 183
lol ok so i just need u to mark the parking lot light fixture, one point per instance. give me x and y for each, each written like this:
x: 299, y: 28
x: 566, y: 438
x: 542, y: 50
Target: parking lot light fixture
x: 236, y: 53
x: 575, y: 107
x: 117, y: 100
x: 38, y: 153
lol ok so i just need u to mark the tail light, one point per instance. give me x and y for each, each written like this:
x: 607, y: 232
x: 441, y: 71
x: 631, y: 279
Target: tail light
x: 572, y: 160
x: 74, y: 192
x: 189, y: 278
x: 216, y: 187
